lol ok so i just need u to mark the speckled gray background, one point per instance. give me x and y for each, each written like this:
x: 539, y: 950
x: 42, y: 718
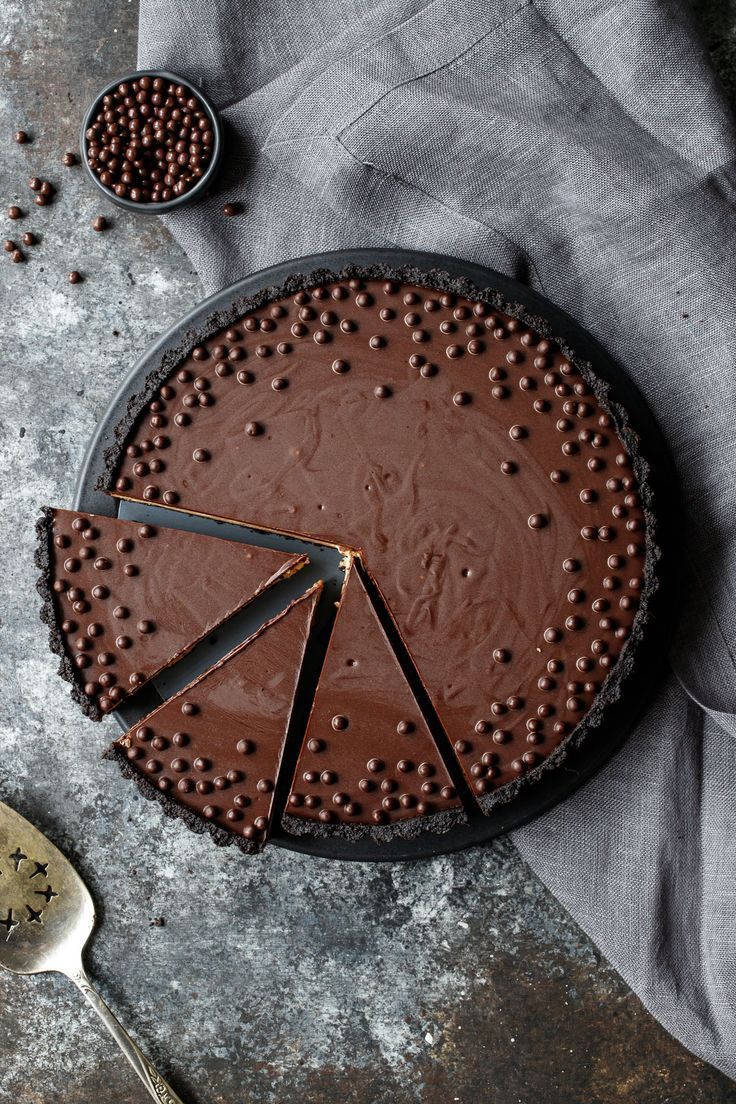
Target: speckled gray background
x: 283, y: 978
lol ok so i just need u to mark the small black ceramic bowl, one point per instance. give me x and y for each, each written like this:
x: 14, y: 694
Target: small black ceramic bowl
x: 157, y: 208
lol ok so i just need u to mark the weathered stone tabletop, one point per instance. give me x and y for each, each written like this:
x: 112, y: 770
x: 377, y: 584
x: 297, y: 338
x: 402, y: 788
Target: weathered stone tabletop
x: 282, y: 978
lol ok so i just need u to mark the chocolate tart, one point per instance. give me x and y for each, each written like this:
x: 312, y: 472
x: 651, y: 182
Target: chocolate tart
x: 211, y: 754
x: 487, y: 478
x: 496, y: 475
x: 368, y: 764
x: 124, y: 600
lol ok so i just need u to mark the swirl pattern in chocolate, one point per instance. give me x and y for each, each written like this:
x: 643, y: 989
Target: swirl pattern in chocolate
x: 470, y: 463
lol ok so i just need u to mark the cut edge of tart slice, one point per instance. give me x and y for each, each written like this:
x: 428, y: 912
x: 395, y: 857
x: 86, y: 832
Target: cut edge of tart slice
x: 368, y: 765
x: 211, y: 755
x: 243, y: 523
x: 119, y: 606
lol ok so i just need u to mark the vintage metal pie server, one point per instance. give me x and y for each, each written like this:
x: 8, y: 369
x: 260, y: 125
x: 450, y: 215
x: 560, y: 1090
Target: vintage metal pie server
x: 46, y: 918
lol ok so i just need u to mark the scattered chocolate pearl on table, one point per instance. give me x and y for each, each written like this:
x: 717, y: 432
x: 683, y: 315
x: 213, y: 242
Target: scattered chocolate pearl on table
x: 100, y: 223
x: 14, y: 213
x: 16, y: 256
x: 21, y: 137
x: 151, y: 140
x: 231, y: 209
x: 9, y: 245
x: 35, y: 184
x: 69, y: 159
x: 29, y: 238
x: 42, y: 200
x: 74, y: 277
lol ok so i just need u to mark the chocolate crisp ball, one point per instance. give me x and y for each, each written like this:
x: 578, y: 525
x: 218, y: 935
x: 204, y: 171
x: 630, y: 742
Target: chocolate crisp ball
x: 151, y: 140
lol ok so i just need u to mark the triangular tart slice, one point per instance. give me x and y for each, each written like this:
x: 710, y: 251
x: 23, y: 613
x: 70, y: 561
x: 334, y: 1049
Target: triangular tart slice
x: 368, y: 765
x: 211, y: 754
x: 124, y: 600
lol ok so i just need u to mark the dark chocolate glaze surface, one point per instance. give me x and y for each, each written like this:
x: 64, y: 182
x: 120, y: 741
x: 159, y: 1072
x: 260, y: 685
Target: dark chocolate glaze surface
x: 476, y: 467
x: 124, y: 600
x: 368, y: 758
x: 212, y: 752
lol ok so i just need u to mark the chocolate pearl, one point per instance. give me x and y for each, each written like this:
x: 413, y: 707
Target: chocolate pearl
x: 201, y: 455
x: 404, y: 728
x: 253, y: 429
x: 508, y: 467
x: 502, y: 655
x: 99, y: 223
x: 14, y: 213
x: 315, y: 746
x: 74, y: 277
x: 375, y: 765
x: 29, y: 238
x: 340, y: 367
x: 231, y: 209
x: 376, y: 342
x: 245, y: 747
x: 382, y: 392
x: 339, y: 723
x: 145, y: 627
x: 17, y: 257
x: 537, y: 521
x: 461, y: 398
x: 517, y: 433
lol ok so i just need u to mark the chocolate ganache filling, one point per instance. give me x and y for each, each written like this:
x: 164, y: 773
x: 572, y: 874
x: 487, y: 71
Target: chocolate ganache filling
x: 489, y: 487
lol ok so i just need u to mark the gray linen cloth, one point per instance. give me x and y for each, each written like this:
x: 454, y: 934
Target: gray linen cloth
x: 584, y: 148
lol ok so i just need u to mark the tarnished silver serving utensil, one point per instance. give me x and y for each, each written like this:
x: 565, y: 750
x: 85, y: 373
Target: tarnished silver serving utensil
x: 46, y: 919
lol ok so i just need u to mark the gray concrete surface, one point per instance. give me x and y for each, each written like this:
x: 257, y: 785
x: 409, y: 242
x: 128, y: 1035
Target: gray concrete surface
x: 283, y: 978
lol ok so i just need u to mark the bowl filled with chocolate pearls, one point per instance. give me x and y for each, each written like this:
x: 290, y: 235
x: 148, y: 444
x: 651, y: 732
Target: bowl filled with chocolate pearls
x: 151, y: 142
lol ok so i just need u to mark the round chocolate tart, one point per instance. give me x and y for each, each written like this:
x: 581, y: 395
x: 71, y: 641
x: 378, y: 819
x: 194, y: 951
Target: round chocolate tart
x: 478, y: 461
